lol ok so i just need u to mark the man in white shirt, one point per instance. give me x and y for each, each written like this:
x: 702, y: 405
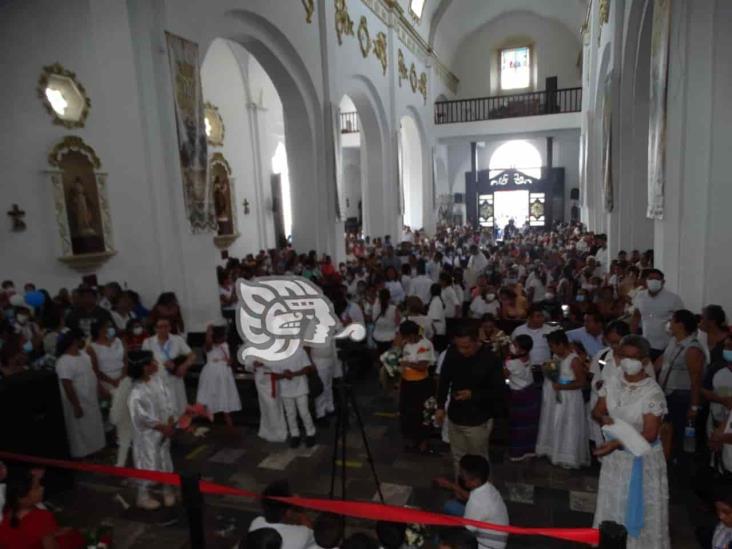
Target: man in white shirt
x: 602, y: 256
x: 484, y: 501
x: 536, y: 329
x: 421, y: 284
x: 652, y: 308
x: 477, y: 264
x: 283, y: 518
x: 434, y: 267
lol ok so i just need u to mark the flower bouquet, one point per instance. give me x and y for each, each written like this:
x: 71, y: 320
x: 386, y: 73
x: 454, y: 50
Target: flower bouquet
x: 428, y: 413
x: 415, y: 535
x: 551, y: 372
x: 193, y: 411
x: 390, y: 361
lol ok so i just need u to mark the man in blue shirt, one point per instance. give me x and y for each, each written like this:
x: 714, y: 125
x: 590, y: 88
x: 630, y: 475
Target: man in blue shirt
x: 590, y: 335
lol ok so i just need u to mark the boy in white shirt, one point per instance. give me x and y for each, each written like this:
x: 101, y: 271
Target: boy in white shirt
x: 292, y: 386
x: 292, y: 526
x: 484, y: 502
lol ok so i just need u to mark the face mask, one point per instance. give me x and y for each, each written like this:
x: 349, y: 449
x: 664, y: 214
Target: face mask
x: 654, y: 285
x: 580, y: 298
x: 727, y: 354
x: 512, y: 349
x: 27, y: 347
x: 490, y: 297
x: 137, y: 330
x: 631, y: 366
x: 111, y: 333
x: 549, y: 296
x: 22, y: 319
x: 667, y: 327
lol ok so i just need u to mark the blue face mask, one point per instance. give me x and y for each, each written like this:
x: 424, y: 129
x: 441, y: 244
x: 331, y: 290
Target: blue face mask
x: 27, y: 347
x: 111, y: 333
x: 580, y: 298
x: 727, y: 355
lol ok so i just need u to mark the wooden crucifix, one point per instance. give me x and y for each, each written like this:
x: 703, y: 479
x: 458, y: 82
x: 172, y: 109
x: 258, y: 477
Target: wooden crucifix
x: 17, y: 215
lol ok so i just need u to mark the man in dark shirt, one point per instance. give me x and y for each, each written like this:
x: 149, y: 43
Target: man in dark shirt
x: 472, y: 375
x: 86, y: 312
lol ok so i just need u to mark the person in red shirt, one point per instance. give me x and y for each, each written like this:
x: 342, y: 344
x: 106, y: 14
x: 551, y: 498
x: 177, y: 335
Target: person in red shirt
x: 25, y: 525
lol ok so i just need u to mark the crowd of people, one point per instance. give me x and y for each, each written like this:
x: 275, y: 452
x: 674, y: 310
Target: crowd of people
x: 586, y: 356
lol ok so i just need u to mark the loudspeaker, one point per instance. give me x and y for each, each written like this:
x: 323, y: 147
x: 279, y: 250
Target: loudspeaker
x: 33, y: 422
x: 574, y: 194
x: 459, y: 198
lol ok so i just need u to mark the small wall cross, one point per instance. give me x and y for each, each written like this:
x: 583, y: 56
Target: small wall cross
x: 17, y: 215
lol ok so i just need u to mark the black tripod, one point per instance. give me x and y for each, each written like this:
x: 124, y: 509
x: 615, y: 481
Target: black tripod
x: 347, y: 401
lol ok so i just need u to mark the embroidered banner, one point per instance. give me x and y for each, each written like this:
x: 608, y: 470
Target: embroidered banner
x: 657, y: 117
x: 188, y: 99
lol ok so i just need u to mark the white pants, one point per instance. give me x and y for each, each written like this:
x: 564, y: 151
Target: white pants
x: 124, y: 443
x: 295, y: 406
x: 324, y: 403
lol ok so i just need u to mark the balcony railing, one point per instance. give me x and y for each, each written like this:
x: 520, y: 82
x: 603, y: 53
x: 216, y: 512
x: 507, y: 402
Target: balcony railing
x: 508, y: 106
x: 349, y: 122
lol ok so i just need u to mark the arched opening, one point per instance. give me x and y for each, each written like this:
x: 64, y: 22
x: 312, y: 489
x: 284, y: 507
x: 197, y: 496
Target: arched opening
x: 411, y: 173
x: 351, y: 177
x: 252, y: 142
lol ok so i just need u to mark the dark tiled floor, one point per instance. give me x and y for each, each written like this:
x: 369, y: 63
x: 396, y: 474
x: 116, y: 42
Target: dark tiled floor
x: 537, y: 494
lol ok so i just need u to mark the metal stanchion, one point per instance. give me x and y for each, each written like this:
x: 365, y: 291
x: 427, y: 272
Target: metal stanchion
x: 193, y: 503
x: 613, y: 536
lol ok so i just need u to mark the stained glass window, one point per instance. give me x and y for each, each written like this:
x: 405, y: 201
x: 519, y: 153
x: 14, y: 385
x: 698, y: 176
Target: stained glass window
x: 537, y: 213
x: 485, y: 210
x: 515, y: 68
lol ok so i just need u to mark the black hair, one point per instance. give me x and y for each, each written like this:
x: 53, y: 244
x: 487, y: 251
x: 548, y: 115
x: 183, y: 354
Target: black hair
x: 524, y: 342
x: 466, y: 328
x: 558, y: 337
x: 649, y: 272
x: 7, y: 284
x: 360, y: 540
x: 328, y: 530
x: 136, y: 362
x: 436, y: 291
x: 274, y: 511
x: 263, y: 538
x: 488, y: 317
x: 715, y: 314
x: 66, y: 340
x: 391, y: 534
x: 476, y: 467
x: 595, y: 315
x: 384, y: 297
x: 687, y: 318
x: 722, y: 493
x: 534, y: 308
x: 421, y: 267
x: 619, y: 327
x: 458, y: 538
x: 96, y: 328
x: 20, y: 483
x: 408, y: 328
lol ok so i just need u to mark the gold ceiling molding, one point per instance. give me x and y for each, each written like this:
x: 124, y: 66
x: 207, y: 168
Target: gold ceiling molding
x: 604, y: 12
x: 422, y: 86
x: 413, y: 77
x: 393, y: 16
x: 309, y: 6
x: 343, y: 21
x: 73, y: 143
x: 380, y: 50
x: 403, y: 71
x: 364, y: 38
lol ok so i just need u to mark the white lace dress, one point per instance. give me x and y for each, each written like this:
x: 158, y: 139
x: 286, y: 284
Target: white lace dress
x: 630, y: 402
x: 563, y: 430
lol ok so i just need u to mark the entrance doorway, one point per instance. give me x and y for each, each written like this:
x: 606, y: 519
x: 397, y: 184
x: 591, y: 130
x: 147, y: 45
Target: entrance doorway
x: 511, y: 205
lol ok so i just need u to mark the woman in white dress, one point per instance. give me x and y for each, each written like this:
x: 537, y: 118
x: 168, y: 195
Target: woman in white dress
x: 272, y: 424
x: 79, y: 395
x: 108, y: 356
x: 386, y: 321
x: 436, y: 314
x: 563, y: 430
x: 633, y: 491
x: 217, y: 386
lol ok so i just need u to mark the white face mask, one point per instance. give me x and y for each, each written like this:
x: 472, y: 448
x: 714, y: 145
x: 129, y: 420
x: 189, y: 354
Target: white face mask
x: 137, y: 330
x: 490, y: 297
x: 22, y: 319
x: 654, y: 285
x: 631, y: 366
x: 549, y: 296
x: 667, y: 327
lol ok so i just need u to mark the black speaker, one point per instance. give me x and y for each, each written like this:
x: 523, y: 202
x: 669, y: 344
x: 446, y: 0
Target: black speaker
x: 33, y: 422
x: 574, y: 194
x: 459, y: 198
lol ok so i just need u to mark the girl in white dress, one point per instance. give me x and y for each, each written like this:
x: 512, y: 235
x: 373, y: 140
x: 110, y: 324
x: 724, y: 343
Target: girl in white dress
x: 563, y: 430
x: 217, y: 386
x: 633, y: 491
x: 386, y: 321
x: 79, y: 392
x: 108, y: 356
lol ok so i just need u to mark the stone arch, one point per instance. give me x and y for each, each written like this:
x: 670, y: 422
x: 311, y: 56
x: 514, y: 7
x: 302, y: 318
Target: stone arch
x: 425, y: 178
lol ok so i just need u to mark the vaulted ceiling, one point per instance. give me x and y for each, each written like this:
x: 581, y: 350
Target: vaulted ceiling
x: 446, y: 23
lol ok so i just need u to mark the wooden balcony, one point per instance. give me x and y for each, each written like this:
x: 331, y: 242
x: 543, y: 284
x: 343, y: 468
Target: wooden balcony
x: 349, y: 122
x: 508, y: 106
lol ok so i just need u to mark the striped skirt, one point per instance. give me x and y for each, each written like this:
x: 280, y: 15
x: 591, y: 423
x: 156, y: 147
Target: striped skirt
x: 524, y: 420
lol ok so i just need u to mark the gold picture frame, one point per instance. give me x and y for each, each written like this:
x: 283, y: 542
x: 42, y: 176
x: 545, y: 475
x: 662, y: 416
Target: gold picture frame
x: 214, y: 125
x: 63, y: 96
x: 364, y: 38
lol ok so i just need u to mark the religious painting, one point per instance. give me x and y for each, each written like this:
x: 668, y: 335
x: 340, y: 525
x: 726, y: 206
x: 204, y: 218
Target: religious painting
x: 657, y: 116
x: 222, y: 189
x: 80, y: 200
x: 192, y: 142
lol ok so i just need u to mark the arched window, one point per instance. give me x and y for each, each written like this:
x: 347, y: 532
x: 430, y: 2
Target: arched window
x: 516, y: 155
x: 279, y: 166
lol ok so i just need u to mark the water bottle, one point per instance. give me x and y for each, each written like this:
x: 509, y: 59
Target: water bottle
x: 690, y: 438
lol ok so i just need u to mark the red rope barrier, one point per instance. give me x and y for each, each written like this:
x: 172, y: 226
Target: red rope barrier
x: 355, y: 509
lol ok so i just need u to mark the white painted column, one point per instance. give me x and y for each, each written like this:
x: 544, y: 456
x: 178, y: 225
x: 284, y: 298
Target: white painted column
x: 261, y: 175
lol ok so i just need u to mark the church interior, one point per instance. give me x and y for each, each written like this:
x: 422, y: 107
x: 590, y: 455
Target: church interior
x: 365, y: 274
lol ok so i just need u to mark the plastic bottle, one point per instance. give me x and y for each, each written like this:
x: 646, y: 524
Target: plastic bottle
x: 690, y: 438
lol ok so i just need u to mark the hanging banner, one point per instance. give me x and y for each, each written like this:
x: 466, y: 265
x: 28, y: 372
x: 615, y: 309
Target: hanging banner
x: 657, y: 116
x: 185, y: 73
x: 607, y: 174
x: 338, y: 162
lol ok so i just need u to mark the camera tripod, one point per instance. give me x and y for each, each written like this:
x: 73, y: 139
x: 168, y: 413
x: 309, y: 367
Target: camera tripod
x: 346, y: 402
